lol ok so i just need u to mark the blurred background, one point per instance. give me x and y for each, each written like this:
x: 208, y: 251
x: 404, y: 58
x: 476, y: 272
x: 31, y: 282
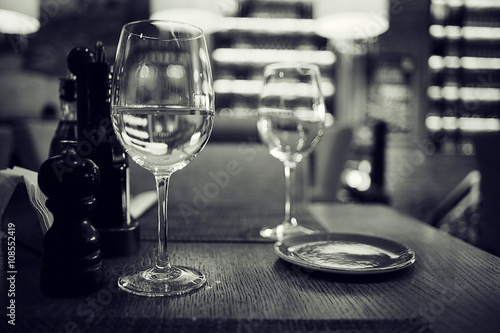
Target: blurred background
x: 416, y: 82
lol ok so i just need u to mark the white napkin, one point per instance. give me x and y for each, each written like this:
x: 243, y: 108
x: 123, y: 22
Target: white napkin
x: 10, y: 178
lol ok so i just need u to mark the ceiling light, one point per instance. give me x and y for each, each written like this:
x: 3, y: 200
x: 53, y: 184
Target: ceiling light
x: 354, y: 19
x: 19, y: 17
x: 204, y: 14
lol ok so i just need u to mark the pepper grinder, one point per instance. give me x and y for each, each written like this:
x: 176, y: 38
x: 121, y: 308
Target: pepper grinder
x: 72, y: 261
x: 98, y: 142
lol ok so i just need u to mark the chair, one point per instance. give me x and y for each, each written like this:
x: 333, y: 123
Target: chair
x: 328, y: 162
x: 488, y: 161
x: 458, y: 213
x: 471, y: 211
x: 32, y: 142
x: 6, y: 146
x: 236, y: 173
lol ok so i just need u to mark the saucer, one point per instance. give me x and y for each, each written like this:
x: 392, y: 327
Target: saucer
x: 345, y: 253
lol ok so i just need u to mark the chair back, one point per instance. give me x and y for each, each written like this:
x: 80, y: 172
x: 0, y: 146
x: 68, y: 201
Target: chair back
x: 6, y: 146
x: 329, y: 160
x: 32, y: 142
x: 488, y: 160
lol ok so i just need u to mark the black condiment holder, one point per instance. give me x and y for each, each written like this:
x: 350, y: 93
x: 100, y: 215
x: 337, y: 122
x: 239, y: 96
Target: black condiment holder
x: 119, y: 234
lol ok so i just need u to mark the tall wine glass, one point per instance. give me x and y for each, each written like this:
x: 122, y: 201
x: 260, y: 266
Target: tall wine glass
x: 162, y: 112
x: 291, y: 123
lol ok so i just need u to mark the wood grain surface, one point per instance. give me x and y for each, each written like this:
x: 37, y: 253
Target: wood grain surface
x: 452, y: 287
x: 223, y: 222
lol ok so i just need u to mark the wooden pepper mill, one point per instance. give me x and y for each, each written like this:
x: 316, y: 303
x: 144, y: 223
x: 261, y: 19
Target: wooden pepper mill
x: 120, y: 235
x: 72, y: 261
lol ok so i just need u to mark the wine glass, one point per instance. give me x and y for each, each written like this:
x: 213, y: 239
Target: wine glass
x: 291, y: 123
x: 163, y: 113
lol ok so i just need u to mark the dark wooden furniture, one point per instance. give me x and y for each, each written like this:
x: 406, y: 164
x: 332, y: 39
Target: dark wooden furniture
x: 452, y: 287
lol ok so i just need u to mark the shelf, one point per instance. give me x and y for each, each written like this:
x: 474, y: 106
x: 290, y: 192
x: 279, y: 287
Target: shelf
x: 464, y: 124
x: 253, y: 87
x: 260, y: 57
x: 437, y: 63
x: 272, y: 26
x: 466, y: 32
x: 453, y: 93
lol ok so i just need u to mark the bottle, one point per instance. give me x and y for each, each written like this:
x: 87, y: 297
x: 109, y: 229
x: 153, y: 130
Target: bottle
x: 106, y: 150
x: 370, y: 147
x: 98, y: 142
x: 67, y: 127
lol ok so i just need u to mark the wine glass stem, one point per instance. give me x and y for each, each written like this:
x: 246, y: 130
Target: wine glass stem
x: 290, y: 168
x: 162, y: 259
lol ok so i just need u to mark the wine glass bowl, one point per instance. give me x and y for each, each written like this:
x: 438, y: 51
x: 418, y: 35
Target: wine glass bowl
x: 162, y: 112
x: 162, y: 139
x: 291, y: 123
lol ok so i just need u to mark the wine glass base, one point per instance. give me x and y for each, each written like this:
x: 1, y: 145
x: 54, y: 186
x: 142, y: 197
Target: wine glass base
x: 285, y: 230
x: 179, y: 280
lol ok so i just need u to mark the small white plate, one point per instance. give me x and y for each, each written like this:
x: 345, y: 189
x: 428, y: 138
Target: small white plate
x: 345, y: 253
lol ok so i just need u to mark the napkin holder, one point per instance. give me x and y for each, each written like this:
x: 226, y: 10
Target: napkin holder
x: 19, y: 211
x: 23, y: 204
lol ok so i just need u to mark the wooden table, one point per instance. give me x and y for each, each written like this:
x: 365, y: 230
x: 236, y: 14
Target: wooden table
x: 452, y: 287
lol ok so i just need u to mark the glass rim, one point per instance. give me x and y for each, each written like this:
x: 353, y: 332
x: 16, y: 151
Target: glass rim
x: 292, y: 65
x: 196, y: 31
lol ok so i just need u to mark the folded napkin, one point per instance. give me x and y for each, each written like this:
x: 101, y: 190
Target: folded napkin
x: 10, y: 179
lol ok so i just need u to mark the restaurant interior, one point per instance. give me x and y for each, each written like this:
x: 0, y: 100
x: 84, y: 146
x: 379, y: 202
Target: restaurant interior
x: 430, y: 78
x: 409, y: 151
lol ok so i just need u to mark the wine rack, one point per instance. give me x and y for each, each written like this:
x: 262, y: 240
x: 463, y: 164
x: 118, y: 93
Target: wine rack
x: 464, y: 87
x: 260, y: 33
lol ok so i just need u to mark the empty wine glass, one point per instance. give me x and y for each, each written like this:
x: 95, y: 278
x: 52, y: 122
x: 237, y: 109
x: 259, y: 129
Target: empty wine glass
x: 162, y: 112
x: 291, y: 123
